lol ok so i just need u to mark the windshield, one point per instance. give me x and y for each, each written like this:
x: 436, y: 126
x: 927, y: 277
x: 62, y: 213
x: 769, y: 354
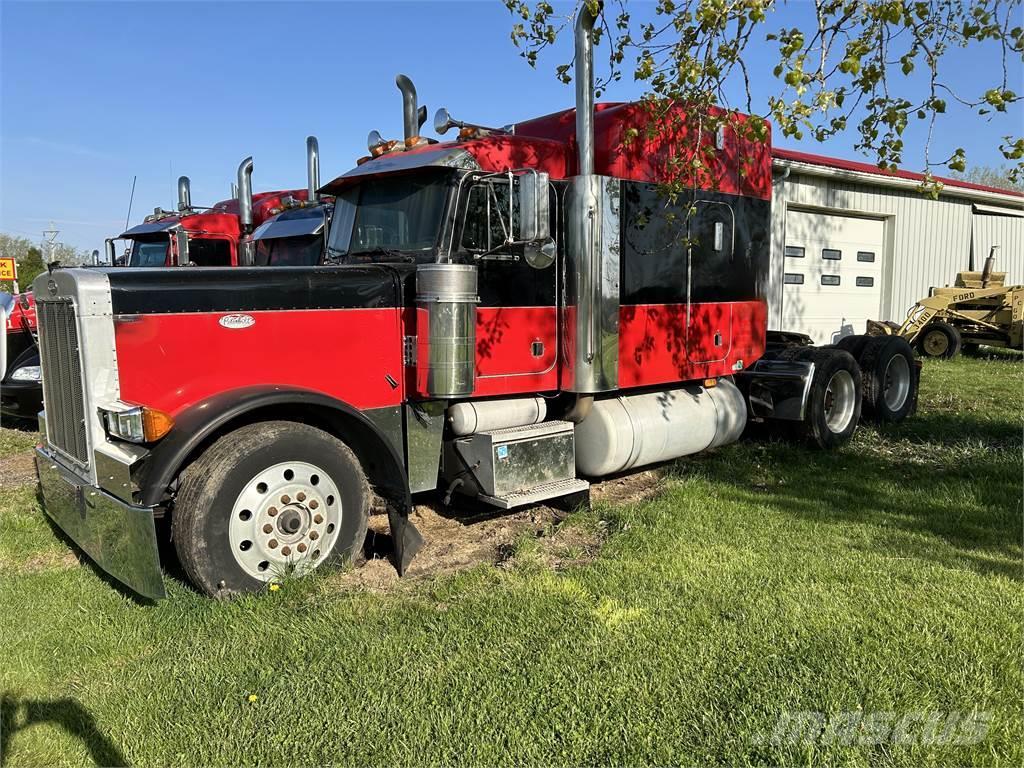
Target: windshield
x: 304, y: 251
x: 397, y: 213
x: 149, y: 253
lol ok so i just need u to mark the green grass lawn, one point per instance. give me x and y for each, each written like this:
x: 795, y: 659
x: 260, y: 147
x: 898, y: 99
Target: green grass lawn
x: 763, y: 580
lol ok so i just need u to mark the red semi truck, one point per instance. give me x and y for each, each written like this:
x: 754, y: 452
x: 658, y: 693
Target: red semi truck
x: 219, y: 236
x: 505, y: 317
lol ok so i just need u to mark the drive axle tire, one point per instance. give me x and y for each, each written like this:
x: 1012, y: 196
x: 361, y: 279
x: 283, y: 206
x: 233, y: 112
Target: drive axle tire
x: 890, y: 380
x: 939, y: 340
x: 834, y: 400
x: 266, y: 500
x: 853, y: 344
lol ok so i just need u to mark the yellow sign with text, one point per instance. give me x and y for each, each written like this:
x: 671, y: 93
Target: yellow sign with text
x: 8, y: 269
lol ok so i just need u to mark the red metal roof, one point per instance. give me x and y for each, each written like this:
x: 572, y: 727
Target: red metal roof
x: 852, y: 165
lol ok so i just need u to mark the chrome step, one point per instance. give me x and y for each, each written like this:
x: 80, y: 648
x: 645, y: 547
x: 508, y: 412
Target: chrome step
x: 542, y: 492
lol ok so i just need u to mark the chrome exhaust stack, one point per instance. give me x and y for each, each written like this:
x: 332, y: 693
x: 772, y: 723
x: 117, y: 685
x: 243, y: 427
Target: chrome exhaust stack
x: 413, y: 115
x: 184, y: 194
x: 312, y: 169
x: 245, y: 195
x: 585, y: 88
x: 592, y: 204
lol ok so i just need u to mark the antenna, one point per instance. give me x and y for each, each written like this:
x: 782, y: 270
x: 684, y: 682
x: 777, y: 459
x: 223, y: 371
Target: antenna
x: 131, y: 198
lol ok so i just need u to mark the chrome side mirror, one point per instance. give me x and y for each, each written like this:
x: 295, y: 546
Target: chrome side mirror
x: 181, y: 246
x: 534, y: 207
x: 540, y: 255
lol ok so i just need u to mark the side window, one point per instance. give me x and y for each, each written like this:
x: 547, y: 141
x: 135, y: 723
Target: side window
x: 486, y: 217
x: 831, y: 254
x: 794, y: 251
x: 209, y: 253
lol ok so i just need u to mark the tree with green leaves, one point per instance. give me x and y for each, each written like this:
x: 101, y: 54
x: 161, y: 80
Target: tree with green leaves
x: 851, y: 69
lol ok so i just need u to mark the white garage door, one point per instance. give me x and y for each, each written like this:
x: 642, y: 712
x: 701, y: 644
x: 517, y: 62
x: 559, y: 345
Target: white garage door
x: 832, y: 274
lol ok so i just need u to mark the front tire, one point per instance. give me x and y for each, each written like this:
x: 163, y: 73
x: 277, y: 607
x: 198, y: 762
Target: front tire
x: 265, y: 500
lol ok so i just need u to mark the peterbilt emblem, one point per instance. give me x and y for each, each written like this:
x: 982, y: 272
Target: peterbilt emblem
x: 237, y: 321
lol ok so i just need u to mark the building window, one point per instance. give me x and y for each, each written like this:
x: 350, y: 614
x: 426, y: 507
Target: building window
x: 831, y: 254
x: 865, y: 282
x: 794, y: 251
x: 830, y: 279
x: 865, y: 256
x: 793, y: 278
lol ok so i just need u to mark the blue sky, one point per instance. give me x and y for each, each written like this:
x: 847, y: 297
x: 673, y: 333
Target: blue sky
x: 94, y: 93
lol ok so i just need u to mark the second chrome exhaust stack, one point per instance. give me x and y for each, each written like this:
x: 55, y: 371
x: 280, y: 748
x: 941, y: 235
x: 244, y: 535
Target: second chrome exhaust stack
x: 184, y: 194
x: 413, y: 115
x: 245, y: 195
x: 312, y: 169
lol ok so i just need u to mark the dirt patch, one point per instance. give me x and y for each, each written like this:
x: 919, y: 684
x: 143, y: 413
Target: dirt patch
x: 459, y: 540
x: 17, y: 470
x: 627, y: 489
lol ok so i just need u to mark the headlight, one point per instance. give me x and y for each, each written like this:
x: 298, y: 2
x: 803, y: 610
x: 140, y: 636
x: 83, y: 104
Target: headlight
x: 27, y: 373
x: 136, y: 424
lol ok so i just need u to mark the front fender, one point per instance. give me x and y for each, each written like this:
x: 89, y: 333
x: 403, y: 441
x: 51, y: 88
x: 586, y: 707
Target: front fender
x: 203, y: 422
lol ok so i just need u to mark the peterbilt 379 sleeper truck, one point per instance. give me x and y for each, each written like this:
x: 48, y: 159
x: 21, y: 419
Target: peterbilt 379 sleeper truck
x: 511, y: 314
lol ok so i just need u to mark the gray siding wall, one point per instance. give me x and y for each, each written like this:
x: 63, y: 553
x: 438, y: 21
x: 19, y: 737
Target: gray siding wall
x: 927, y: 241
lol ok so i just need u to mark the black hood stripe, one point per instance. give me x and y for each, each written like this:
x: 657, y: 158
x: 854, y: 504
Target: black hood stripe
x: 139, y: 291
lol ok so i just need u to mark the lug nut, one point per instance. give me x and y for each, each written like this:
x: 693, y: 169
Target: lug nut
x: 300, y: 496
x: 286, y: 550
x: 272, y: 544
x: 314, y: 504
x: 302, y: 547
x: 318, y: 519
x: 268, y: 528
x: 286, y: 499
x: 314, y: 535
x: 272, y: 511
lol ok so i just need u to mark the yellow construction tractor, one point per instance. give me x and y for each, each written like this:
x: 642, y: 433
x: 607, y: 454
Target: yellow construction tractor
x: 977, y: 309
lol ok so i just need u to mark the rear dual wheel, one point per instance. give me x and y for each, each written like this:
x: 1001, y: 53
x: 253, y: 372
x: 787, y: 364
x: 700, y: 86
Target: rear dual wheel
x: 834, y: 398
x: 267, y: 500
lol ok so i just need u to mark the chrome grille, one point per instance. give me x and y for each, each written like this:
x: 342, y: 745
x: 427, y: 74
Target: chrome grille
x: 62, y: 378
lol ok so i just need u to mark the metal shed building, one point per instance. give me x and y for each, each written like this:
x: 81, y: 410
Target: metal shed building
x: 852, y: 243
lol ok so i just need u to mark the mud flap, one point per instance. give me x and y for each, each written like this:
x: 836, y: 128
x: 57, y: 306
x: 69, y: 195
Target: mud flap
x: 407, y: 540
x: 119, y: 537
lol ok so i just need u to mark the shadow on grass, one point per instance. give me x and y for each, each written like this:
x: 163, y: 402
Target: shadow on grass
x: 17, y: 714
x: 949, y: 477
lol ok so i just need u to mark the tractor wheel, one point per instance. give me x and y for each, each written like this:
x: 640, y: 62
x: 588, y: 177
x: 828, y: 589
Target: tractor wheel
x: 266, y: 500
x: 939, y: 340
x: 834, y: 401
x: 890, y: 379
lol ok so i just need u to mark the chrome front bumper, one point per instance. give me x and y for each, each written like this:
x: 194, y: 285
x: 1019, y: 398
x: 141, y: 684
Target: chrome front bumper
x: 119, y: 537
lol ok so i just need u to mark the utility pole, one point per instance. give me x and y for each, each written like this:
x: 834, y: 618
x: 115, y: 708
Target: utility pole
x: 49, y: 238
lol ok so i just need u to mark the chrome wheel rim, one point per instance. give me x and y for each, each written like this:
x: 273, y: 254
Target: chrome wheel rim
x: 840, y: 399
x: 287, y: 518
x: 896, y: 382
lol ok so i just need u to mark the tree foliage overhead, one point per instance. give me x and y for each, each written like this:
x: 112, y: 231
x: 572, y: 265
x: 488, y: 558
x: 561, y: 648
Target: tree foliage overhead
x: 872, y: 66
